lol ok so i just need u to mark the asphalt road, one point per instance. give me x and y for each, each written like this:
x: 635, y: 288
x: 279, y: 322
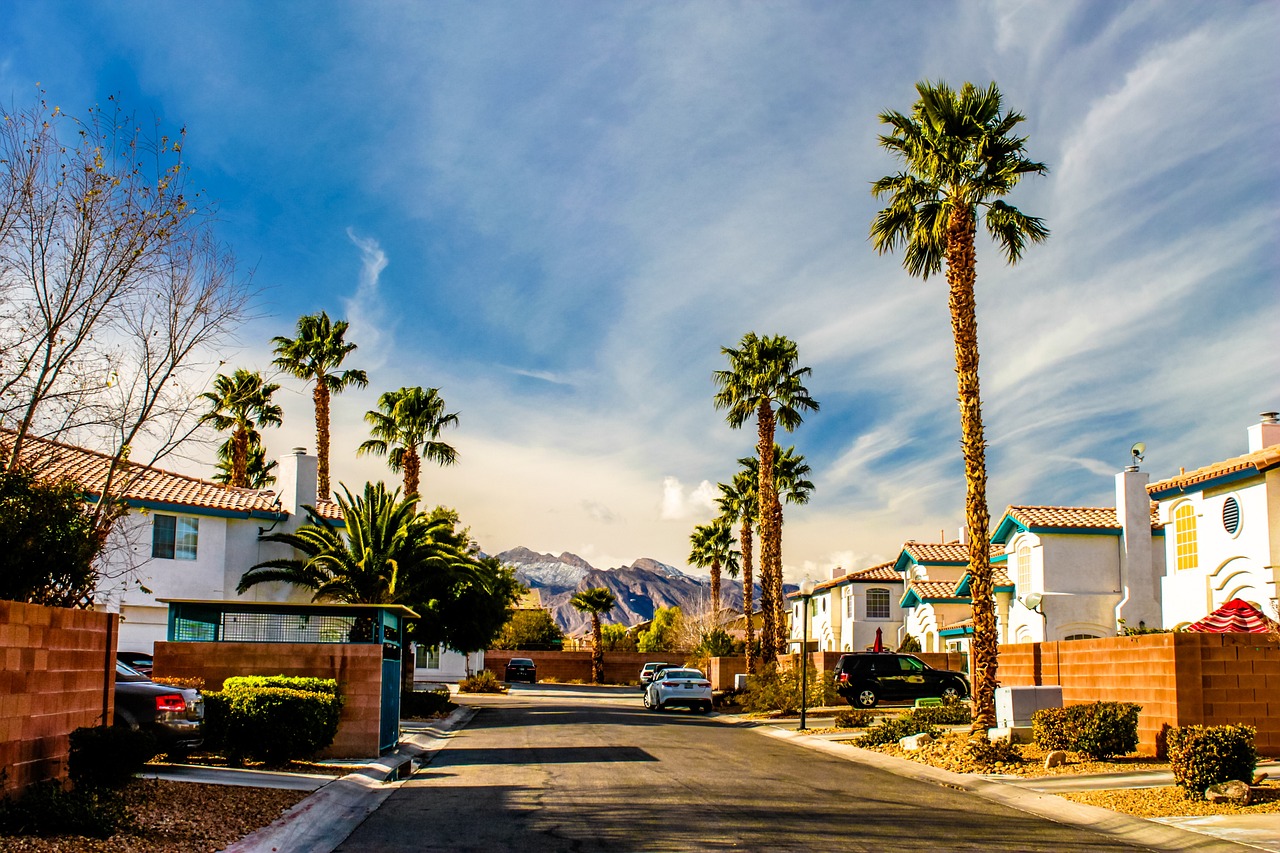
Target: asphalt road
x: 563, y: 768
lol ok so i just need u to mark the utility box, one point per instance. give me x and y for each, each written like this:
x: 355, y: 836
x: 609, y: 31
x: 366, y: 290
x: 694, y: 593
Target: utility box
x: 1016, y: 705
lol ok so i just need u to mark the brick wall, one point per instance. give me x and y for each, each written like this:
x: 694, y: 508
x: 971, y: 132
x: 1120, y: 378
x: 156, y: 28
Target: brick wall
x: 721, y: 671
x: 1178, y: 679
x: 57, y: 673
x: 357, y: 668
x: 619, y: 667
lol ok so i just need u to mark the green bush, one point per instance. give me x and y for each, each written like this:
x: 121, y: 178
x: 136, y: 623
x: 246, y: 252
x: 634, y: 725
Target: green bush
x: 947, y: 714
x: 108, y: 756
x: 981, y: 750
x: 46, y: 809
x: 854, y: 718
x: 272, y: 724
x: 483, y: 681
x: 1094, y: 729
x: 425, y: 703
x: 1200, y: 756
x: 894, y: 729
x: 305, y: 684
x: 778, y: 689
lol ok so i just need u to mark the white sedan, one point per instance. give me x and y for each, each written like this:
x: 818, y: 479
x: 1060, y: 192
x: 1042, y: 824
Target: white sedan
x: 685, y: 687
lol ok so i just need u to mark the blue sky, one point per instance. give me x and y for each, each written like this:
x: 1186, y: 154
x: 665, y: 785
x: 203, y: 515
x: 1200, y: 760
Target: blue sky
x: 558, y: 212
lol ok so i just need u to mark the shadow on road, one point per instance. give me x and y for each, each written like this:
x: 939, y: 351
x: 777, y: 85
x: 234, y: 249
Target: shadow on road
x: 541, y: 755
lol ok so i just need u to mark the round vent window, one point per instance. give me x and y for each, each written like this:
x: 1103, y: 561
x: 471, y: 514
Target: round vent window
x: 1231, y: 515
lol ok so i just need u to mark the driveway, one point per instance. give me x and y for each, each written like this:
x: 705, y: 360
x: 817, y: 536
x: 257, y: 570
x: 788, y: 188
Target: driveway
x: 558, y: 767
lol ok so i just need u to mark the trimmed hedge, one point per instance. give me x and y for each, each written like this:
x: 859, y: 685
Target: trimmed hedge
x: 1200, y: 756
x: 263, y: 719
x: 1094, y: 729
x: 108, y: 756
x: 289, y: 682
x: 425, y: 703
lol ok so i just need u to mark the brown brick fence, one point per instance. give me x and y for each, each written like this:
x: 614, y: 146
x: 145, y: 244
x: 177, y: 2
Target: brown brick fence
x: 1179, y: 679
x: 57, y: 673
x: 619, y: 667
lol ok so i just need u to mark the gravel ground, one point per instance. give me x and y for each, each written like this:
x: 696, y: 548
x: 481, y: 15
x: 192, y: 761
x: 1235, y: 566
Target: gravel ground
x: 1172, y: 802
x: 168, y: 816
x: 1032, y: 763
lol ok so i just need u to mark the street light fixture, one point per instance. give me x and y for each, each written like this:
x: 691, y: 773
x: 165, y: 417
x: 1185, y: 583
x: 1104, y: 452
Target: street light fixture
x: 806, y: 593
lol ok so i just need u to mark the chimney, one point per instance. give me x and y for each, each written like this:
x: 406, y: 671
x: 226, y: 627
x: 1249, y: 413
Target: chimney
x: 964, y: 535
x: 297, y: 480
x: 1266, y: 433
x: 1139, y: 584
x: 838, y: 572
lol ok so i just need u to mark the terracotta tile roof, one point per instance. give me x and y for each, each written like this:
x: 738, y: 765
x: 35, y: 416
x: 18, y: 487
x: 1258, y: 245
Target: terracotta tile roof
x: 933, y: 589
x: 144, y: 485
x: 1072, y: 517
x: 948, y: 552
x: 999, y: 577
x: 1259, y: 460
x: 963, y: 623
x: 881, y: 573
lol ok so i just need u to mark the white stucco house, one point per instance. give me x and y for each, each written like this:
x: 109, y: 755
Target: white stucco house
x: 188, y: 538
x: 845, y: 611
x: 1222, y: 530
x: 936, y: 602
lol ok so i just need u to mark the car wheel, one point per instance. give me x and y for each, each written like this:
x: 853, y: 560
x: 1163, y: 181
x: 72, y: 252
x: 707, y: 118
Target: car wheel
x: 952, y: 693
x: 706, y: 707
x: 647, y: 703
x: 865, y: 698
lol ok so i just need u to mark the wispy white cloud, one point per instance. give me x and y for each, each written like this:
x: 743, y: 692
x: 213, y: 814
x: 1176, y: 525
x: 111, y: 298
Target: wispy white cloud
x: 371, y: 321
x: 678, y: 505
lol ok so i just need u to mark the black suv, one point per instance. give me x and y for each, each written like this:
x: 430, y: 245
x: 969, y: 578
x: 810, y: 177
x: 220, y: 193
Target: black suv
x: 865, y: 678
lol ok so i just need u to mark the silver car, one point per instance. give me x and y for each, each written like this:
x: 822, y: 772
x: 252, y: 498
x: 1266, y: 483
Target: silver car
x: 686, y: 688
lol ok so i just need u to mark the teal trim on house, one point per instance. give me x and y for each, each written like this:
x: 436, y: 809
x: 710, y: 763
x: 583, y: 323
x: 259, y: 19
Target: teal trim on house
x: 963, y: 587
x: 956, y: 632
x: 1214, y: 482
x: 186, y: 509
x: 1006, y: 529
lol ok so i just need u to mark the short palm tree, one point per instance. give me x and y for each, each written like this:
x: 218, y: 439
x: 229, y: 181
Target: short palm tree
x: 790, y: 478
x: 241, y: 404
x: 738, y: 503
x: 764, y: 381
x: 368, y: 559
x: 314, y: 356
x: 712, y: 548
x: 960, y: 158
x: 406, y: 430
x: 597, y: 602
x: 257, y: 469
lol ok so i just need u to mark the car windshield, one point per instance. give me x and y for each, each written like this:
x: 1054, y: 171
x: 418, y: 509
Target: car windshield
x: 520, y: 662
x: 653, y: 666
x: 681, y: 674
x: 124, y: 672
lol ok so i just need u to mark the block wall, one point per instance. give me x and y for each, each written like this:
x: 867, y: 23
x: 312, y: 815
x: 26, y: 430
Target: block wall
x: 57, y: 673
x: 619, y: 667
x: 357, y: 669
x: 721, y: 671
x: 1178, y: 679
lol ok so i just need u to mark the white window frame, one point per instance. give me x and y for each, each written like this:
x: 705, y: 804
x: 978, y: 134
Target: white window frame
x: 888, y: 605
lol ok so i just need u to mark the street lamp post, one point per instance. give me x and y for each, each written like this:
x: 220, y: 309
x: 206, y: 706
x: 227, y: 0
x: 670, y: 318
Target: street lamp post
x: 806, y: 593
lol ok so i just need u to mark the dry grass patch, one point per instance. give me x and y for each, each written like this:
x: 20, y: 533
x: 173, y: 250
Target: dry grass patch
x: 1173, y: 802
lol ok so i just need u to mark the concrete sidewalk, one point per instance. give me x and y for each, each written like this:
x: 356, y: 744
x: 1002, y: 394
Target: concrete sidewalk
x: 1215, y: 834
x: 323, y: 820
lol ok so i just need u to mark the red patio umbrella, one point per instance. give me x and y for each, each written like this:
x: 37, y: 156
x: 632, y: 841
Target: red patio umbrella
x: 1234, y: 617
x: 879, y: 646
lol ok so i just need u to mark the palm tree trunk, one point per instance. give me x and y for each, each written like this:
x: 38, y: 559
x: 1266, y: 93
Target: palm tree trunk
x: 412, y: 470
x: 961, y: 273
x: 770, y: 560
x: 240, y: 458
x: 715, y: 593
x: 597, y: 650
x: 748, y: 593
x: 320, y: 394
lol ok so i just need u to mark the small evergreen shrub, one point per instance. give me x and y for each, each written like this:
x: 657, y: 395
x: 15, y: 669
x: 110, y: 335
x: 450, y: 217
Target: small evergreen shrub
x: 45, y: 808
x: 483, y: 681
x: 985, y: 752
x: 894, y: 729
x: 1094, y: 729
x: 305, y: 684
x: 1200, y: 756
x: 181, y: 683
x: 108, y: 756
x: 778, y: 689
x: 854, y: 718
x: 268, y: 723
x: 947, y: 714
x: 425, y: 703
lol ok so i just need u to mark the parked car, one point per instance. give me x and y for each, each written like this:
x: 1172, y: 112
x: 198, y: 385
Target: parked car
x: 173, y: 715
x: 647, y: 671
x: 140, y: 661
x: 675, y: 686
x: 521, y: 669
x: 865, y: 678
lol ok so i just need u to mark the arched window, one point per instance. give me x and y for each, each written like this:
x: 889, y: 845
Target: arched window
x: 877, y: 603
x: 1080, y: 637
x: 1024, y: 569
x: 1184, y: 537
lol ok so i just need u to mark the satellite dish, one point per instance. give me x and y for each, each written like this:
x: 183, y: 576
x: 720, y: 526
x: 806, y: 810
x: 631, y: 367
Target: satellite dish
x: 1032, y: 600
x: 1138, y: 450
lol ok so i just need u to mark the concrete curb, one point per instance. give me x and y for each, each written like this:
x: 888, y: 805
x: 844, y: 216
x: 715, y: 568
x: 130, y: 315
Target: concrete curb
x: 1136, y: 831
x: 323, y: 820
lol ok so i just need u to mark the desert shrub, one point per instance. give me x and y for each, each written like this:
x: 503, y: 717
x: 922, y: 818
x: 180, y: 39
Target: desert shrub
x: 778, y: 689
x: 181, y: 683
x: 483, y: 681
x: 984, y: 752
x: 1200, y: 756
x: 45, y: 808
x: 288, y: 682
x: 854, y: 718
x: 273, y: 724
x: 910, y: 645
x: 947, y: 714
x: 894, y: 729
x: 1095, y: 729
x: 108, y: 756
x: 425, y: 703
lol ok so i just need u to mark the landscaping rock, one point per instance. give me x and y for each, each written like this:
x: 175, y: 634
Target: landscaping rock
x: 1234, y: 792
x: 911, y: 743
x: 1055, y: 758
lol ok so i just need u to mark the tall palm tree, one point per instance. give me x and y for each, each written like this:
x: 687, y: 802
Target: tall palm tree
x: 739, y: 502
x: 407, y: 430
x: 382, y: 542
x: 596, y: 601
x: 960, y: 158
x: 257, y: 469
x: 763, y: 380
x: 712, y: 547
x: 314, y: 356
x: 790, y: 477
x: 241, y: 404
